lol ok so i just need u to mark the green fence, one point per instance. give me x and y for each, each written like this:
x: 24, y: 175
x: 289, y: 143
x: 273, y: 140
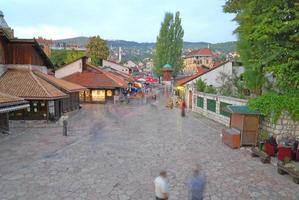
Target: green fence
x: 211, y: 105
x: 223, y: 109
x: 200, y: 102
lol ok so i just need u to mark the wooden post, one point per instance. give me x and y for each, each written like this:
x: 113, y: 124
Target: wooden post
x: 47, y: 111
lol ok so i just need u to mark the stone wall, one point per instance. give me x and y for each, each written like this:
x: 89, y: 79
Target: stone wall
x: 216, y: 116
x: 284, y: 126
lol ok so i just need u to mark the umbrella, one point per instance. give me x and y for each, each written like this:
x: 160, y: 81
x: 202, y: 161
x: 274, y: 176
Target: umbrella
x: 141, y: 80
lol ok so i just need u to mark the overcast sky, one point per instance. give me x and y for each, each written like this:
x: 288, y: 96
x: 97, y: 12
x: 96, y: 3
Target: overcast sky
x: 135, y: 20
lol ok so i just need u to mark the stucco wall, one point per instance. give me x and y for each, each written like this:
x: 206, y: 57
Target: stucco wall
x: 69, y: 69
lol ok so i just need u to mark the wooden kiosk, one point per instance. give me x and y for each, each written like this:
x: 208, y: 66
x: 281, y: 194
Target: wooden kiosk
x: 246, y: 121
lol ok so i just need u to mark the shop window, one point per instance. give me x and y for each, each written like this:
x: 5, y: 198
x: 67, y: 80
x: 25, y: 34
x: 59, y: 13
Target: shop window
x: 109, y: 93
x: 98, y: 95
x: 51, y: 107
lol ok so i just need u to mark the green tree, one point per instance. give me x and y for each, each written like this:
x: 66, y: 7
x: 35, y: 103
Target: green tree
x: 268, y: 41
x: 177, y: 60
x: 97, y: 50
x: 169, y: 44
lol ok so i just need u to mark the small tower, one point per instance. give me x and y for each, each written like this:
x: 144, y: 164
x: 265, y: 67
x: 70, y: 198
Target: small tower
x: 167, y: 71
x: 119, y: 54
x: 4, y: 26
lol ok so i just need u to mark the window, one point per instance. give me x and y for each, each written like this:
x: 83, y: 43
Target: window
x: 223, y: 109
x: 51, y: 107
x: 109, y: 93
x: 200, y: 102
x: 98, y: 95
x: 211, y: 105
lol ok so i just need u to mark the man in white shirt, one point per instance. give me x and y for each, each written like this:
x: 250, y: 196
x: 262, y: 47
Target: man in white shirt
x: 161, y: 186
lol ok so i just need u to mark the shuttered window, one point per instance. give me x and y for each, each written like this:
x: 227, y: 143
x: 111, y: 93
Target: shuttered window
x: 211, y: 105
x: 200, y: 102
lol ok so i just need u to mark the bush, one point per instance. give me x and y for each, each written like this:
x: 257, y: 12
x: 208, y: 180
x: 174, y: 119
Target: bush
x: 272, y: 104
x: 200, y: 85
x: 210, y: 89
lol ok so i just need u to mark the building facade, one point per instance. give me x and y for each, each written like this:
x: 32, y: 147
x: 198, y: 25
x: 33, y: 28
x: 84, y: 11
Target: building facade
x: 197, y: 58
x: 101, y: 85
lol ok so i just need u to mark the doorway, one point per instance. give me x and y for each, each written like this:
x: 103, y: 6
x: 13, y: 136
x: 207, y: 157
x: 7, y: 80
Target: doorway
x: 190, y: 99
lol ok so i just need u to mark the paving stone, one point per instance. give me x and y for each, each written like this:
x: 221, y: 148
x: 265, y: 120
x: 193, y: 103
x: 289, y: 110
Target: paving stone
x: 116, y: 151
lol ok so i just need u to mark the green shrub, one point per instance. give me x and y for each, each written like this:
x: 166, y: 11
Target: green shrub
x: 200, y: 85
x: 210, y: 89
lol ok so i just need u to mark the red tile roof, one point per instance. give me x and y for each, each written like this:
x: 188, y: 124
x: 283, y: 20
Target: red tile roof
x: 25, y: 84
x: 190, y: 78
x: 93, y: 80
x: 200, y: 52
x: 60, y: 83
x: 198, y: 74
x: 116, y: 78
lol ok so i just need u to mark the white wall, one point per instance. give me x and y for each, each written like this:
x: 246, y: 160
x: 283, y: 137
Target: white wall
x: 115, y: 66
x: 69, y: 69
x: 216, y: 116
x: 211, y: 77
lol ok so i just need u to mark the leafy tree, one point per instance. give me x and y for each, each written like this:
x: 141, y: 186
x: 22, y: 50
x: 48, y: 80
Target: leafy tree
x: 169, y: 44
x: 97, y: 50
x: 268, y: 41
x: 177, y: 45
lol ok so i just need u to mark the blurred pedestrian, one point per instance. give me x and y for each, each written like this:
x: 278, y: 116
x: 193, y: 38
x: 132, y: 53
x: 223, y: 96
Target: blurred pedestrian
x: 183, y: 107
x: 196, y: 185
x: 161, y: 186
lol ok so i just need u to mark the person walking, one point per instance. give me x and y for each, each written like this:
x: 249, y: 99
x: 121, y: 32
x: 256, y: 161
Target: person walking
x: 196, y: 185
x: 161, y: 186
x: 183, y: 107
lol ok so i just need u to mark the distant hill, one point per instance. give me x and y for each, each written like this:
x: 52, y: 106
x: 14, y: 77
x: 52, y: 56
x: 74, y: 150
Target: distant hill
x: 140, y: 50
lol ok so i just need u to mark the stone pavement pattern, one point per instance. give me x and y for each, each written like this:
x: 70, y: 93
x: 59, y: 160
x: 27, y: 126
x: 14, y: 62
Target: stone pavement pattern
x: 114, y: 152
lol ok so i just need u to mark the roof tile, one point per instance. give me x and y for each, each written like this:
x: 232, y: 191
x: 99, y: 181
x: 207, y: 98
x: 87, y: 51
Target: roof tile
x: 60, y: 83
x: 25, y: 84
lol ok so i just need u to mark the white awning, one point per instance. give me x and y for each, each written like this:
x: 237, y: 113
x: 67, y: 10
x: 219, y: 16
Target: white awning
x: 13, y: 108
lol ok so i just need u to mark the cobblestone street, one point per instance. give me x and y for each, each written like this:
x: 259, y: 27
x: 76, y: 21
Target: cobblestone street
x: 114, y: 152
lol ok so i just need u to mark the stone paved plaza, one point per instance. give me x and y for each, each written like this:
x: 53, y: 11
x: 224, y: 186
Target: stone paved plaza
x: 113, y: 152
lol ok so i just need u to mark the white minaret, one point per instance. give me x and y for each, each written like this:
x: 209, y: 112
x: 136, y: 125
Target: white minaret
x: 119, y: 54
